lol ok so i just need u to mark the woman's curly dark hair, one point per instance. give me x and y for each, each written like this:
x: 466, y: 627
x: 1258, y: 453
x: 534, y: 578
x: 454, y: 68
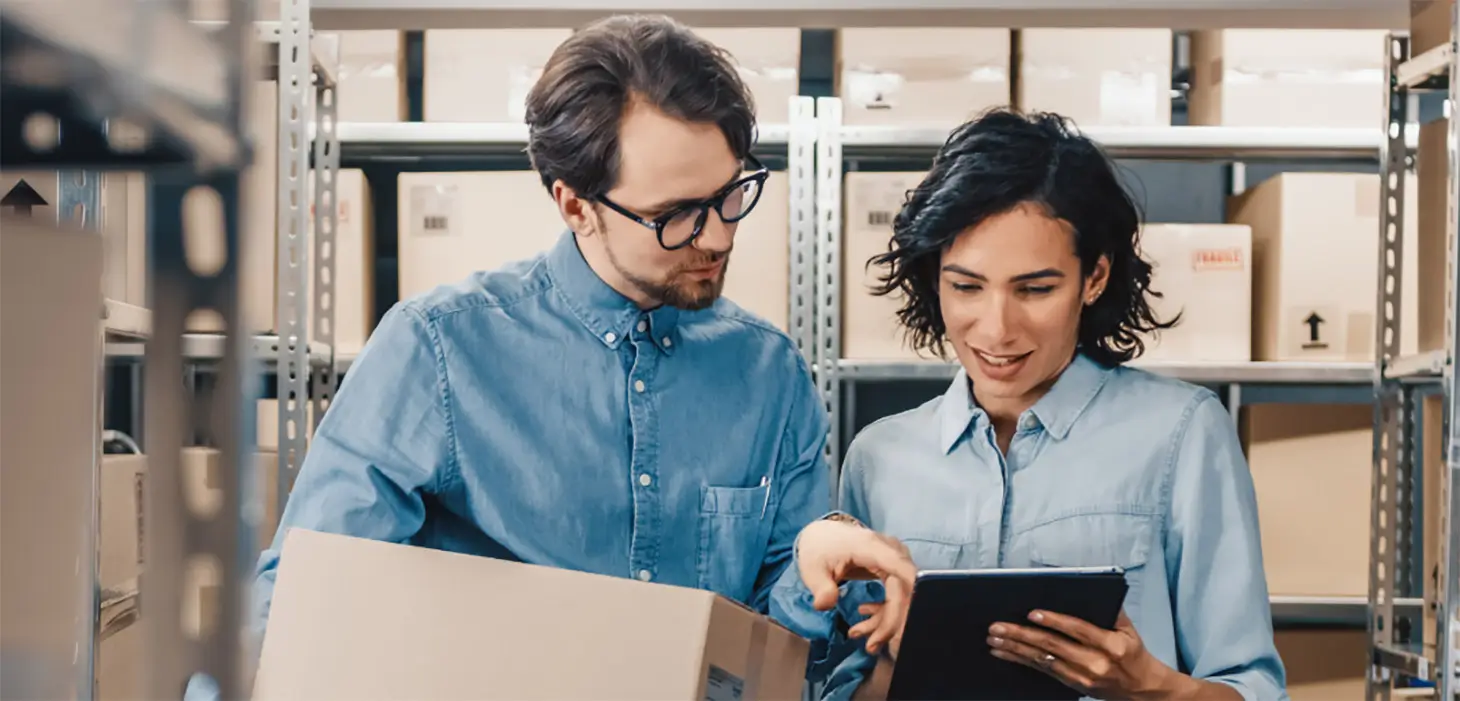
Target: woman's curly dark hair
x: 993, y: 164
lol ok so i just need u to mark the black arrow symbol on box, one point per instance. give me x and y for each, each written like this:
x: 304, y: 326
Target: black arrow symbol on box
x: 22, y: 198
x: 1313, y: 321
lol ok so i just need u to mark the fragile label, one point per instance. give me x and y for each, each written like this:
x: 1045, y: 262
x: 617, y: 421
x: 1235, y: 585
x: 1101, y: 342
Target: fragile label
x: 1203, y: 259
x: 721, y: 685
x: 433, y: 210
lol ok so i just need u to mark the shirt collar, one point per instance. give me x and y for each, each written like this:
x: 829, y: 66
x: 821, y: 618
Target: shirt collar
x: 611, y: 317
x: 1056, y: 411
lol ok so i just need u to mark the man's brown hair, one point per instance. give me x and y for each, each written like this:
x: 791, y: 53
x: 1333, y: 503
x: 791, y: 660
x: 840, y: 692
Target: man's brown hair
x: 574, y: 110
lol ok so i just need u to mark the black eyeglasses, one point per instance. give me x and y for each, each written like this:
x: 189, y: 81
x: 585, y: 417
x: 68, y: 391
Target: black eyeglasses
x: 679, y: 227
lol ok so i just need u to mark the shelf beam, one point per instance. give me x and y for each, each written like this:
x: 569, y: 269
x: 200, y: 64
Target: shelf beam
x: 1187, y: 14
x: 1427, y: 71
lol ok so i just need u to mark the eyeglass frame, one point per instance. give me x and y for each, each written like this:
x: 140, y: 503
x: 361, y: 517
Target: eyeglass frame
x: 758, y: 175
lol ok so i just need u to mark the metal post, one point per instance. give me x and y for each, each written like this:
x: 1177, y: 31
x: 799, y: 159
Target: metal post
x: 296, y: 93
x: 1389, y: 407
x: 801, y: 167
x: 828, y: 271
x: 326, y: 218
x: 1450, y: 553
x: 186, y: 547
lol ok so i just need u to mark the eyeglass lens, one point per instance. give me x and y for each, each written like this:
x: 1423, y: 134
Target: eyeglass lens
x: 732, y: 208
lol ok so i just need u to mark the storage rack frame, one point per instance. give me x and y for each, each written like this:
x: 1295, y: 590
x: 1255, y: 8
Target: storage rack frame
x: 197, y: 140
x: 1400, y: 384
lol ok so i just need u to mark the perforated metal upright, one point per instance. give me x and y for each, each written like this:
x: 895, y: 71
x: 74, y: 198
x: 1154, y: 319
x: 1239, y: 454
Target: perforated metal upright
x: 1396, y: 660
x: 828, y: 271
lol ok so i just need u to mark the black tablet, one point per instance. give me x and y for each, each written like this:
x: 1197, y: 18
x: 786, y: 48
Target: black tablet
x: 945, y: 652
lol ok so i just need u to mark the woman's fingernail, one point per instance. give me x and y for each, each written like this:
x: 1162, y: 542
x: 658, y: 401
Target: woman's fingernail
x: 995, y: 642
x: 1036, y: 616
x: 997, y: 629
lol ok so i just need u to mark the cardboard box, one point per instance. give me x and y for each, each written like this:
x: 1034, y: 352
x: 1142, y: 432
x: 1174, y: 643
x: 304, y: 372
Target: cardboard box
x: 1097, y: 77
x: 940, y: 76
x: 1427, y: 303
x: 372, y: 76
x: 1312, y: 547
x: 543, y: 633
x: 122, y: 221
x: 870, y: 329
x: 769, y: 61
x: 454, y: 224
x: 120, y: 664
x: 50, y: 359
x: 1324, y: 665
x: 354, y: 252
x: 122, y: 483
x: 1429, y: 24
x: 1315, y: 241
x: 484, y: 75
x: 1288, y: 78
x: 1204, y: 273
x: 759, y: 274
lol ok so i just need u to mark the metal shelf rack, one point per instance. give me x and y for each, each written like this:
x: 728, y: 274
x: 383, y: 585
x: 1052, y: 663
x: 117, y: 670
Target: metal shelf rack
x: 102, y: 68
x: 1400, y: 383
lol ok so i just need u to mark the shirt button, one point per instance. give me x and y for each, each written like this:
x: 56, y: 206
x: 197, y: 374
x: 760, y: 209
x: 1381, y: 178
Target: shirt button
x: 645, y: 480
x: 609, y: 337
x: 644, y: 575
x: 638, y: 386
x: 668, y: 342
x: 643, y: 326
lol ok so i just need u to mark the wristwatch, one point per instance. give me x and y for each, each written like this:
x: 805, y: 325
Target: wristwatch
x: 840, y: 517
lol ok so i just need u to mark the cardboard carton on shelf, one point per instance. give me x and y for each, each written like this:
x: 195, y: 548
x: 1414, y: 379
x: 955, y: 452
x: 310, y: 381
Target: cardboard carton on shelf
x: 455, y: 224
x: 484, y: 75
x: 939, y: 76
x: 372, y: 86
x: 362, y: 619
x: 1204, y: 273
x: 1315, y: 244
x: 1097, y: 77
x: 1424, y: 301
x: 1312, y: 547
x: 354, y: 248
x: 1323, y: 665
x: 1288, y: 78
x: 768, y: 59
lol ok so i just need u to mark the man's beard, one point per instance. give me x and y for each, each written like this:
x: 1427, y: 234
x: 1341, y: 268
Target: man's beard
x: 678, y: 290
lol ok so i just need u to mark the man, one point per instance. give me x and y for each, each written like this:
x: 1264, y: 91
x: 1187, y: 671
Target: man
x: 600, y: 407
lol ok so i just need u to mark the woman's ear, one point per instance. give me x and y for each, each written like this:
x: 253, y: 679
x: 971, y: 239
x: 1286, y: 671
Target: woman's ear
x: 1095, y: 282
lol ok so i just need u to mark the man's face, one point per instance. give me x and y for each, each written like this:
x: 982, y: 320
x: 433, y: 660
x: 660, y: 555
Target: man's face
x: 663, y: 163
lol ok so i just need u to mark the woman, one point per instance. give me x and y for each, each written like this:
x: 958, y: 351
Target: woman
x: 1019, y: 253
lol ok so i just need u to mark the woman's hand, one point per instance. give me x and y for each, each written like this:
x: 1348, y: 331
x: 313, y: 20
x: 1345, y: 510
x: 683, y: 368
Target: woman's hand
x: 1099, y: 663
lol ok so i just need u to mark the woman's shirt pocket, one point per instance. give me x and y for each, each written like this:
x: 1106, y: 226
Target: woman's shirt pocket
x: 1115, y: 538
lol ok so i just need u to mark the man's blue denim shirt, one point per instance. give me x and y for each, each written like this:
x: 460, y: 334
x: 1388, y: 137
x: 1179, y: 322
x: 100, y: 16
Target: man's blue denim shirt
x: 532, y: 413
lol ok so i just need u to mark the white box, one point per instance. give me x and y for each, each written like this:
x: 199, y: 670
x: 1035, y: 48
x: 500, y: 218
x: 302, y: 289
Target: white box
x: 1097, y: 77
x: 940, y: 76
x: 1203, y: 272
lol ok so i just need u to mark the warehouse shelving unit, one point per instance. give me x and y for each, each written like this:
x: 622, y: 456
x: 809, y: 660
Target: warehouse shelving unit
x: 792, y: 144
x: 1400, y: 653
x: 111, y: 70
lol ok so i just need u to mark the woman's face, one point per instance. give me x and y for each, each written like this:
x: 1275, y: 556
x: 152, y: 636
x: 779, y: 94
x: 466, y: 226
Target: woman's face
x: 1011, y: 294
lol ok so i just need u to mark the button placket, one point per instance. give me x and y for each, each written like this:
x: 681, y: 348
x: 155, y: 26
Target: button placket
x: 644, y: 456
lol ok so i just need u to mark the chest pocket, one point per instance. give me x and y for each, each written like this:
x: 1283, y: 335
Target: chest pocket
x: 1106, y: 539
x: 732, y: 538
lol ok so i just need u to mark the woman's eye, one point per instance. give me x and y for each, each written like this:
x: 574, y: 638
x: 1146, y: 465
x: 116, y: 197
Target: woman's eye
x: 1039, y: 289
x: 964, y: 287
